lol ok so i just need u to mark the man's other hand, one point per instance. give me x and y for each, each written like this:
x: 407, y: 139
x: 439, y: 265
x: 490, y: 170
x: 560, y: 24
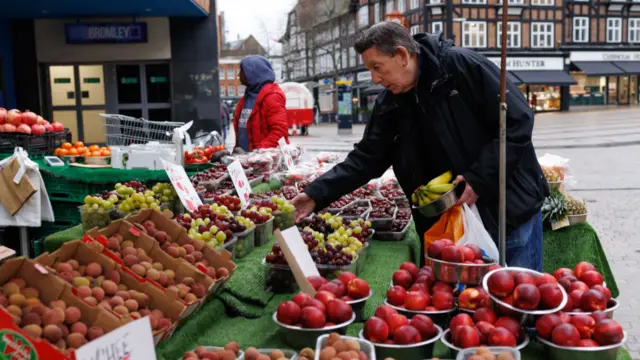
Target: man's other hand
x: 469, y: 196
x: 304, y: 206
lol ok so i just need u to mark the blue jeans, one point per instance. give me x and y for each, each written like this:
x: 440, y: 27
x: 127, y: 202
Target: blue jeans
x: 524, y: 245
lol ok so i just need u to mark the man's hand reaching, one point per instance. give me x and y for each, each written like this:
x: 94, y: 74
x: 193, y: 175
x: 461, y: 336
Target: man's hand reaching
x: 304, y: 206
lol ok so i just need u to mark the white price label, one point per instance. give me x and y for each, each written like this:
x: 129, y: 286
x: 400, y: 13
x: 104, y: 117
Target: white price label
x: 288, y: 161
x: 183, y: 186
x: 133, y: 341
x: 240, y: 181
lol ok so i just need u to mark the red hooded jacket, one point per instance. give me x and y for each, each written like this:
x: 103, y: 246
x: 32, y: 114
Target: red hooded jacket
x: 268, y: 121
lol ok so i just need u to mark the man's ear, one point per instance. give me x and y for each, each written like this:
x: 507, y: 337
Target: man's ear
x: 404, y: 54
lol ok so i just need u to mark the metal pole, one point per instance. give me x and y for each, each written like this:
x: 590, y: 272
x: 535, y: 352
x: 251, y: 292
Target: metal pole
x: 502, y: 205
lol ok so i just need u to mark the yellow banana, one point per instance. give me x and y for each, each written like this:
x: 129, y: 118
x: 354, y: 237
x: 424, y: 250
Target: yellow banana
x: 433, y: 196
x: 439, y: 188
x: 423, y: 199
x: 442, y: 179
x: 414, y: 198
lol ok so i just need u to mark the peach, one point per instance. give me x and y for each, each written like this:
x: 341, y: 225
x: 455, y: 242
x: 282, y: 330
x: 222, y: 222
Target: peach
x: 585, y: 325
x: 121, y: 310
x: 109, y: 287
x: 157, y: 314
x: 173, y: 252
x: 608, y: 332
x: 58, y: 304
x: 131, y: 305
x: 501, y: 284
x: 583, y: 267
x: 54, y: 316
x: 83, y: 291
x: 114, y: 244
x: 546, y: 323
x: 593, y: 300
x: 565, y: 335
x: 94, y: 333
x: 130, y: 260
x: 105, y: 305
x: 31, y: 318
x: 116, y: 301
x: 91, y: 300
x: 524, y: 278
x: 39, y: 309
x: 129, y: 251
x: 30, y: 293
x: 72, y: 315
x: 139, y: 270
x: 469, y: 299
x: 153, y: 274
x: 35, y: 331
x: 29, y: 303
x: 94, y: 270
x: 75, y: 340
x: 67, y: 276
x: 165, y: 323
x: 17, y: 299
x: 79, y: 327
x: 113, y: 275
x: 97, y: 293
x: 63, y: 267
x: 52, y: 333
x: 220, y: 273
x: 147, y: 265
x: 500, y: 336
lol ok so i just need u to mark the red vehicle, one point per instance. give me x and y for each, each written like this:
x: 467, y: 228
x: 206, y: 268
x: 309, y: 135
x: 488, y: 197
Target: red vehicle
x: 299, y: 106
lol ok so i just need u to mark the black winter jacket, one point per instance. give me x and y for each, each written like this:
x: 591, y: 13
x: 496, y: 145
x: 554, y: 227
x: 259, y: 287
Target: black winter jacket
x: 458, y: 91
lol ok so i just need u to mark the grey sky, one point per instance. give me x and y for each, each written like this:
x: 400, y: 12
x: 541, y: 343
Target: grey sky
x: 255, y: 17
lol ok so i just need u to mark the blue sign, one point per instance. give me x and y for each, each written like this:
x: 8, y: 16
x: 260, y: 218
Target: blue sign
x: 106, y: 33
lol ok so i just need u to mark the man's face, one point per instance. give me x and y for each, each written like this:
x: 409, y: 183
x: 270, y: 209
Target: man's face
x: 392, y: 72
x: 243, y: 79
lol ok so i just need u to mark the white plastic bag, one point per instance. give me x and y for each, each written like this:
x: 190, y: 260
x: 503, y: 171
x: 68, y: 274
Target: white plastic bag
x: 475, y: 233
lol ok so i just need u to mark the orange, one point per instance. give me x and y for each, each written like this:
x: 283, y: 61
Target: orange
x: 67, y: 146
x: 87, y: 153
x: 57, y: 152
x: 73, y: 152
x: 64, y: 152
x: 94, y: 147
x: 78, y: 144
x: 102, y: 149
x: 81, y: 149
x: 96, y: 153
x: 105, y: 152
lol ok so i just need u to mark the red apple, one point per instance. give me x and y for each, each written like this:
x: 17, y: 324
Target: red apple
x: 402, y: 278
x: 396, y: 295
x: 376, y: 330
x: 411, y: 268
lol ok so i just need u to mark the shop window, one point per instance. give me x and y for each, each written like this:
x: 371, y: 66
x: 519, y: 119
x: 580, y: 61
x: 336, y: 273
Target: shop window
x: 363, y: 16
x: 231, y: 73
x: 414, y: 4
x: 580, y: 29
x: 474, y: 1
x: 221, y: 74
x: 352, y: 57
x: 223, y: 90
x: 514, y: 35
x: 129, y: 84
x: 541, y: 35
x: 415, y: 29
x: 634, y: 30
x: 614, y: 30
x: 474, y: 34
x: 436, y: 27
x: 542, y: 2
x: 160, y: 114
x: 232, y: 90
x: 376, y: 13
x: 344, y: 59
x: 158, y: 85
x: 402, y: 6
x: 544, y: 98
x: 390, y: 6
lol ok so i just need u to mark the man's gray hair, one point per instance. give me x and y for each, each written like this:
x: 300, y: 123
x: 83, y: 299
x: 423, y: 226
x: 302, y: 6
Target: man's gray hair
x: 386, y: 37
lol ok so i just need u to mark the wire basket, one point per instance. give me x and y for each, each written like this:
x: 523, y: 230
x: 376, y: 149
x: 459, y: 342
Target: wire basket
x: 126, y: 130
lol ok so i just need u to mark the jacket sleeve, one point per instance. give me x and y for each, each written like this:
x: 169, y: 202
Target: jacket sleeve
x: 369, y: 159
x: 481, y: 76
x: 275, y: 114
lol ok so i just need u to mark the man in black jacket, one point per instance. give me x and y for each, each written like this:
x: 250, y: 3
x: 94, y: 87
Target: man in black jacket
x: 440, y: 112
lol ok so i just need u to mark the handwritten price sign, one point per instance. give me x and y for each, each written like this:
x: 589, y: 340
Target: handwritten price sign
x: 133, y: 341
x: 183, y: 186
x: 288, y: 161
x: 240, y: 181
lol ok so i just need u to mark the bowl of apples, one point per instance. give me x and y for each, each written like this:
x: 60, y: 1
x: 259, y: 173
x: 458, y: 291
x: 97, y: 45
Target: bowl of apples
x: 394, y: 335
x: 524, y: 293
x: 581, y: 336
x: 458, y: 264
x: 485, y: 328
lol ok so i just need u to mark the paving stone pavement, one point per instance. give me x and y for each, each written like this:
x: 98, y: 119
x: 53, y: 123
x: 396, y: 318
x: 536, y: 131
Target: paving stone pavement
x: 604, y: 152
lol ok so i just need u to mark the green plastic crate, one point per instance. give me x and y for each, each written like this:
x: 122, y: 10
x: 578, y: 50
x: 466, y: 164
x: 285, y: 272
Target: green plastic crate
x: 60, y: 189
x: 67, y: 211
x: 38, y: 247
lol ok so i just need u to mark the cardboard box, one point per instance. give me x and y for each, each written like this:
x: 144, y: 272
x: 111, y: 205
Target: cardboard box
x: 50, y: 288
x: 181, y: 268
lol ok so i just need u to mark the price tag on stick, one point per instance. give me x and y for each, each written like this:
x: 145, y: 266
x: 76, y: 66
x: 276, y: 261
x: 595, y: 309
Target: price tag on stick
x: 240, y: 182
x: 288, y: 161
x: 182, y: 185
x: 300, y: 262
x: 133, y: 341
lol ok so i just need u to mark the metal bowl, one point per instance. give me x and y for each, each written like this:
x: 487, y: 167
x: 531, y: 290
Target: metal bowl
x: 358, y: 306
x: 612, y: 305
x: 440, y: 317
x: 454, y: 349
x: 365, y: 346
x: 443, y: 203
x: 577, y: 219
x: 299, y: 338
x: 525, y: 316
x: 556, y: 352
x: 240, y: 355
x: 421, y: 350
x: 456, y: 273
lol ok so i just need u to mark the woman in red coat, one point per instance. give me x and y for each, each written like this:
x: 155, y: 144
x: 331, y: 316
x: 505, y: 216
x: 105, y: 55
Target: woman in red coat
x: 261, y: 117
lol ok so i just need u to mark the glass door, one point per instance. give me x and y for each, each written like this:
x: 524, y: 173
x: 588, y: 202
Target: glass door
x: 623, y: 90
x: 633, y: 89
x: 143, y: 90
x: 76, y: 98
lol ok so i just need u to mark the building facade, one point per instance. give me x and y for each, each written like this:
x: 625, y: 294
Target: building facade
x: 144, y: 59
x: 229, y: 70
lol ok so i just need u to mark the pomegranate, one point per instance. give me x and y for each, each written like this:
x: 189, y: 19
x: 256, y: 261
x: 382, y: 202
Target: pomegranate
x: 57, y: 127
x: 29, y: 118
x: 10, y: 128
x: 3, y: 115
x: 24, y: 128
x: 48, y: 127
x: 40, y: 120
x: 14, y: 117
x: 37, y: 129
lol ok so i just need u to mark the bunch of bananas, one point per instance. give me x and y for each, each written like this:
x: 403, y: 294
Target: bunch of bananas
x: 433, y: 190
